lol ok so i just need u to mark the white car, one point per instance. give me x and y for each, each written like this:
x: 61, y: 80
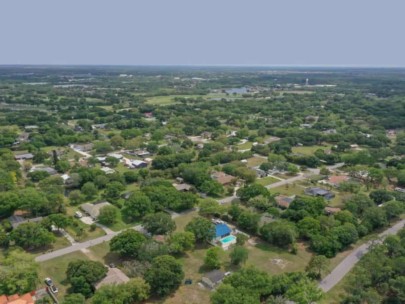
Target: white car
x: 48, y: 281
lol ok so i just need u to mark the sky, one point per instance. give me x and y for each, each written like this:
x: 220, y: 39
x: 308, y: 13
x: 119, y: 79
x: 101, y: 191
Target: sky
x: 203, y: 32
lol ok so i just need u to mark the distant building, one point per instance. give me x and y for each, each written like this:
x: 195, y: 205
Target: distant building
x: 114, y: 276
x: 107, y: 170
x: 222, y: 178
x: 27, y: 298
x: 50, y: 170
x: 336, y: 180
x: 315, y: 191
x: 283, y: 201
x: 332, y: 210
x: 213, y: 278
x: 93, y: 210
x: 26, y: 156
x: 137, y: 164
x: 31, y: 128
x: 16, y: 220
x: 182, y: 187
x: 83, y: 147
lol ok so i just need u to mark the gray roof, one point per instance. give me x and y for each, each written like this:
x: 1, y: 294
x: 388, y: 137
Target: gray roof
x: 50, y: 170
x: 16, y: 220
x: 24, y: 156
x: 93, y: 209
x: 215, y: 276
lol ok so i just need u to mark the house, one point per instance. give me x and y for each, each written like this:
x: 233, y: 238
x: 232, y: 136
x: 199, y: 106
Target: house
x: 222, y: 178
x: 25, y: 156
x: 31, y: 128
x: 17, y: 299
x: 114, y: 276
x: 93, y: 210
x: 65, y: 177
x: 98, y: 126
x: 213, y: 278
x: 331, y: 210
x: 182, y: 187
x: 260, y: 173
x: 16, y: 220
x: 107, y: 170
x: 115, y: 155
x: 315, y: 191
x: 138, y: 164
x: 222, y: 230
x: 142, y: 153
x: 84, y: 147
x: 283, y: 201
x: 336, y: 180
x: 399, y: 189
x: 50, y: 170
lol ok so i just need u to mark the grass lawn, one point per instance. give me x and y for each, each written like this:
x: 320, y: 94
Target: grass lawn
x: 289, y: 190
x: 60, y: 242
x: 167, y: 100
x: 182, y: 220
x: 267, y: 180
x: 245, y: 146
x: 309, y: 150
x: 255, y: 161
x: 120, y: 224
x: 265, y: 257
x: 56, y: 270
x: 101, y: 253
x: 86, y: 234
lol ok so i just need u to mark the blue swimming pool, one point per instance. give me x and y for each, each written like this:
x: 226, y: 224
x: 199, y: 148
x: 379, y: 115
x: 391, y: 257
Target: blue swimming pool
x: 228, y: 239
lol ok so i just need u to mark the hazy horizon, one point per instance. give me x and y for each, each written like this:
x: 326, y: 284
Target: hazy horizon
x: 288, y: 33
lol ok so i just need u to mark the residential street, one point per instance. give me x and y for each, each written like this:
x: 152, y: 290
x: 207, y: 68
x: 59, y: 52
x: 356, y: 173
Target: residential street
x: 79, y: 246
x: 348, y: 263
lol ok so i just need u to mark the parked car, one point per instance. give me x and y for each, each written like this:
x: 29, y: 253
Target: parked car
x: 78, y: 214
x: 48, y: 281
x: 53, y: 289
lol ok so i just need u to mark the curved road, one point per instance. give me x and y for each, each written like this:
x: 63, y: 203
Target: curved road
x: 348, y: 263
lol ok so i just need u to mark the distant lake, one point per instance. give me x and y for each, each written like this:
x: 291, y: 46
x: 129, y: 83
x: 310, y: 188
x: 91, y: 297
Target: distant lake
x: 242, y: 90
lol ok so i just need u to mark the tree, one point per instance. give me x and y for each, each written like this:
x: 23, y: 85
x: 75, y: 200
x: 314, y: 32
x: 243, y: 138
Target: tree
x: 212, y: 187
x: 393, y: 209
x: 159, y: 223
x: 239, y: 255
x: 318, y: 265
x: 249, y: 220
x: 252, y: 190
x: 74, y: 298
x: 374, y: 218
x: 127, y: 243
x: 180, y: 242
x: 203, y: 229
x: 279, y: 233
x: 18, y: 273
x: 75, y: 197
x: 91, y: 271
x: 211, y: 207
x: 113, y: 191
x: 165, y: 275
x: 137, y: 206
x: 308, y: 226
x: 380, y: 196
x: 59, y: 220
x: 31, y: 235
x: 304, y: 291
x: 81, y: 286
x: 62, y: 166
x: 346, y: 234
x: 89, y: 190
x: 211, y: 260
x: 134, y: 291
x: 108, y: 215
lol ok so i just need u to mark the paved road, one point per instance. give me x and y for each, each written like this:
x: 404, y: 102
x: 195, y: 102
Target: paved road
x: 348, y: 263
x: 79, y: 246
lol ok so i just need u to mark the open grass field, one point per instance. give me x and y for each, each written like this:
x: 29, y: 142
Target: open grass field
x: 268, y: 180
x: 184, y: 219
x: 289, y: 190
x: 82, y: 232
x: 309, y: 150
x: 255, y: 161
x: 56, y: 270
x: 102, y: 254
x: 245, y: 146
x: 167, y: 100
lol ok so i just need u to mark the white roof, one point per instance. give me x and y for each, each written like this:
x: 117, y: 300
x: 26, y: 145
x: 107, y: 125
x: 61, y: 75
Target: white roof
x: 107, y: 170
x: 136, y: 162
x: 115, y: 155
